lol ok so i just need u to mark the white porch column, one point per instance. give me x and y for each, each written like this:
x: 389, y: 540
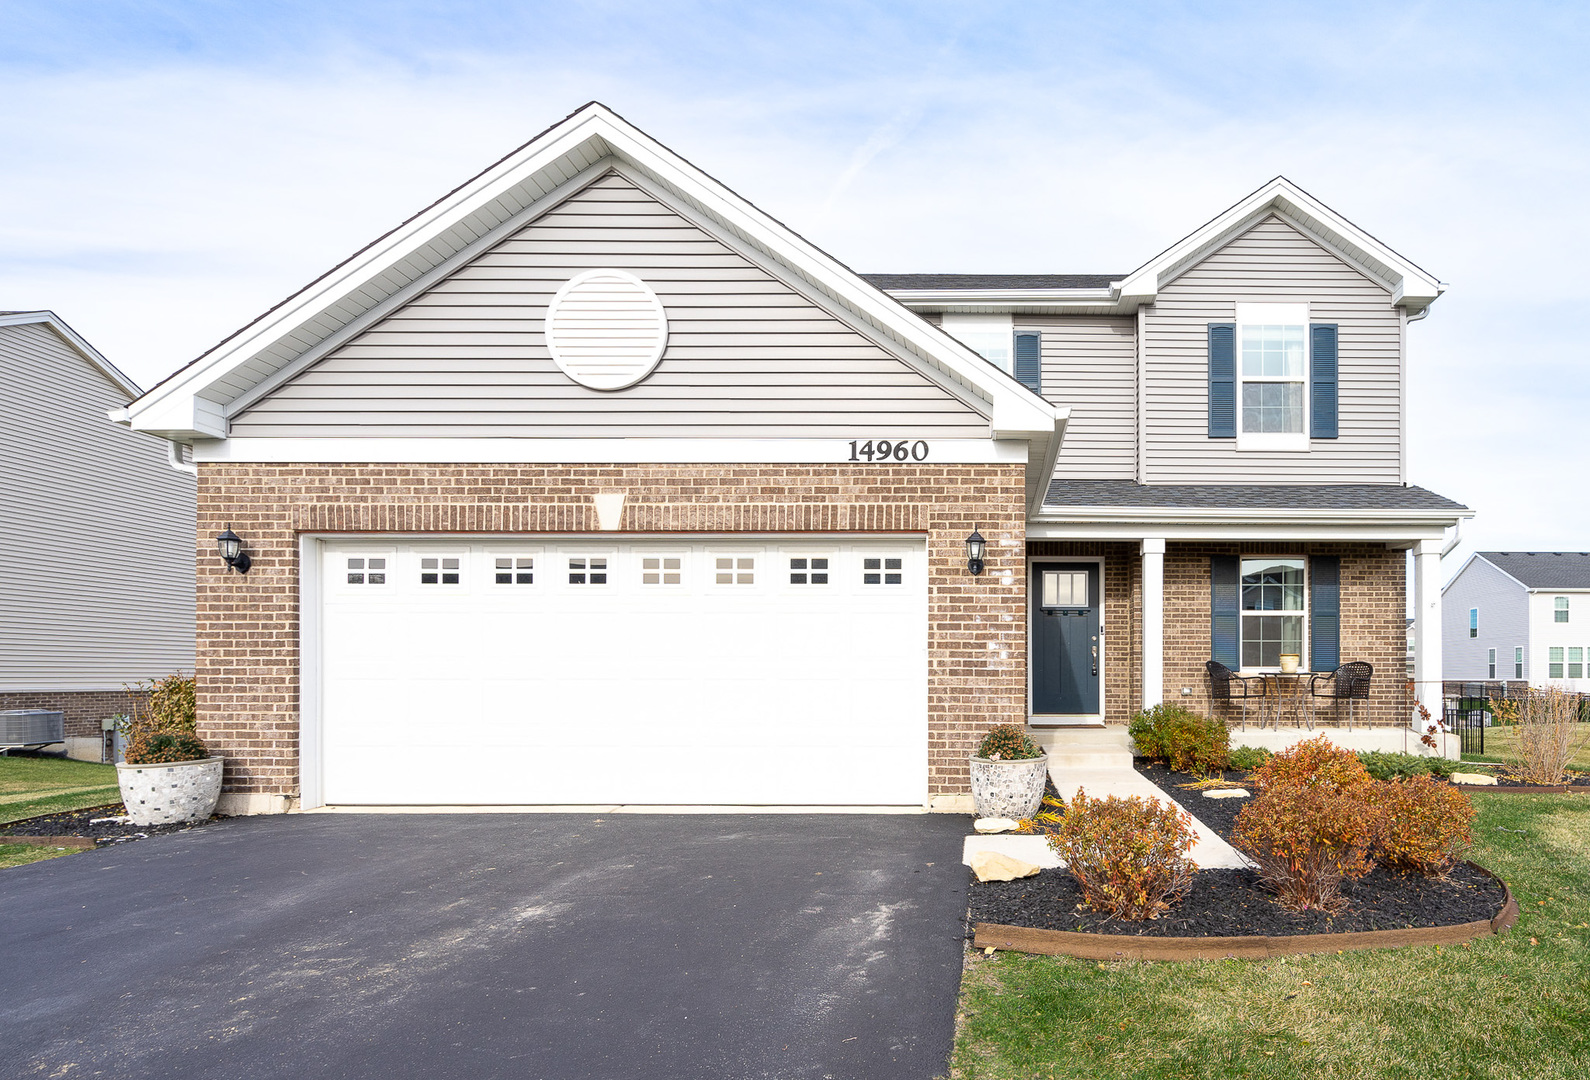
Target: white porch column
x: 1153, y: 622
x: 1427, y: 625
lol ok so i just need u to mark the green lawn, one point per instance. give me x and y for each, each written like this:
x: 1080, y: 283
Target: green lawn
x: 1517, y: 1005
x: 1501, y: 744
x: 22, y: 854
x: 30, y: 786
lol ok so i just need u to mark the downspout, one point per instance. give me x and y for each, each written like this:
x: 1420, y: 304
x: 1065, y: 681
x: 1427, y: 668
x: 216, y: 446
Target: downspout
x: 1457, y: 535
x: 174, y: 459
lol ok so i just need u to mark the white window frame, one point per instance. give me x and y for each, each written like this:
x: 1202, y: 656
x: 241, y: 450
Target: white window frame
x: 1491, y: 661
x: 1518, y: 661
x: 1556, y: 661
x: 983, y: 334
x: 1274, y: 315
x: 1304, y: 659
x: 1559, y: 605
x: 1474, y: 622
x: 1575, y: 668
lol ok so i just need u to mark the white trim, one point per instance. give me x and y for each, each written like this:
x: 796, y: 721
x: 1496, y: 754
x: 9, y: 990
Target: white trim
x: 1268, y: 314
x: 76, y: 343
x: 1398, y: 533
x: 1152, y: 553
x: 311, y: 788
x: 1037, y: 719
x: 1306, y: 657
x: 575, y: 451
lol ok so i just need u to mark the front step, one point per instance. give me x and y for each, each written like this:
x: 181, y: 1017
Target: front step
x: 1085, y: 748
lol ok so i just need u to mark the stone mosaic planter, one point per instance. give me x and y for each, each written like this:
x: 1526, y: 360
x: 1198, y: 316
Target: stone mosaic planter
x: 1008, y: 789
x: 170, y: 791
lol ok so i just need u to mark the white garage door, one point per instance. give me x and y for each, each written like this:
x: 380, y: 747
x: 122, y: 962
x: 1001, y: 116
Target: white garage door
x: 741, y: 672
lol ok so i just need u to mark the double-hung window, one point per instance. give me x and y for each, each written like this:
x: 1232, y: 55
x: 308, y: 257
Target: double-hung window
x: 1518, y: 662
x: 1491, y: 662
x: 1272, y: 376
x: 1474, y: 622
x: 1554, y: 662
x: 1273, y: 610
x: 1560, y: 609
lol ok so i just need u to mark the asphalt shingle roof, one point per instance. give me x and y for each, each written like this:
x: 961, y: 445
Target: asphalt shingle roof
x: 1125, y: 493
x: 992, y: 281
x: 1544, y: 569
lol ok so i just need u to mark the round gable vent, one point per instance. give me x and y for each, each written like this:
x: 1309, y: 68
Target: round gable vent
x: 606, y: 329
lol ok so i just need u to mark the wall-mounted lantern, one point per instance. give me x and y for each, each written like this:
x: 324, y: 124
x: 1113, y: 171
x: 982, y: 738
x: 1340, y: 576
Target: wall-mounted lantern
x: 975, y: 546
x: 231, y: 547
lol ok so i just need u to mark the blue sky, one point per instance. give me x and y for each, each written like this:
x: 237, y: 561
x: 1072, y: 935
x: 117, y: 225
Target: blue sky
x: 177, y: 167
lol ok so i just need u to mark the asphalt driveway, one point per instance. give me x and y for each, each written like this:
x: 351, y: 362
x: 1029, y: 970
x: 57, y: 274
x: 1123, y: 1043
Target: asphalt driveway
x: 478, y: 946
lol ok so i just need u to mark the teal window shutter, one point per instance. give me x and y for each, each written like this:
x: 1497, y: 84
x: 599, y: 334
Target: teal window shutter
x: 1323, y: 380
x: 1029, y: 362
x: 1223, y: 383
x: 1325, y: 612
x: 1225, y: 638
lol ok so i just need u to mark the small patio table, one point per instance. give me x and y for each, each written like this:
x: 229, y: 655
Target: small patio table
x: 1281, y: 688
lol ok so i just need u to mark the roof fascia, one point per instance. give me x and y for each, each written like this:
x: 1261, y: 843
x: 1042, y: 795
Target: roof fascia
x: 1411, y: 286
x: 1194, y: 515
x: 76, y: 343
x: 1399, y: 535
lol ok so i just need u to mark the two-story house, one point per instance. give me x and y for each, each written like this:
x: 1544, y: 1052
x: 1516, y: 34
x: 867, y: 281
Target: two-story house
x: 592, y: 483
x: 1519, y: 616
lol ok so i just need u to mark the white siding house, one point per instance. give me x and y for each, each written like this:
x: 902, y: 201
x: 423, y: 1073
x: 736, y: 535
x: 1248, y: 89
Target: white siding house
x: 96, y: 541
x: 1520, y: 615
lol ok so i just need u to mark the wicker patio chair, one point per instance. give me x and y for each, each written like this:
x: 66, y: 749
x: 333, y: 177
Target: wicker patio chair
x: 1227, y: 686
x: 1349, y: 683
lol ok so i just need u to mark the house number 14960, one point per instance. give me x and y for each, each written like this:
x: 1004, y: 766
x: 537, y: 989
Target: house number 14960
x: 884, y: 450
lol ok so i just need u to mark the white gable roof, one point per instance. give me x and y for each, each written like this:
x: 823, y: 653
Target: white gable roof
x: 1411, y: 287
x: 196, y: 401
x: 78, y: 345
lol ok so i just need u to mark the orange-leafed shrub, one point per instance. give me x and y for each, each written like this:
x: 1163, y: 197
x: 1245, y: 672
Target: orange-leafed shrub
x: 1128, y: 855
x: 1423, y: 826
x: 1306, y: 839
x: 1316, y: 763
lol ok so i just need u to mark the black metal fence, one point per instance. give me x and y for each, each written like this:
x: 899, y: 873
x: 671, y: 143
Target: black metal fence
x: 1466, y: 709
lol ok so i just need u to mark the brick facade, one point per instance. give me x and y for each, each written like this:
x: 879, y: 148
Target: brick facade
x: 248, y: 625
x: 83, y: 709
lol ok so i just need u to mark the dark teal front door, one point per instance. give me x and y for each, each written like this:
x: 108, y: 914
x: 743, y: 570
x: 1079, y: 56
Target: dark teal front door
x: 1066, y: 645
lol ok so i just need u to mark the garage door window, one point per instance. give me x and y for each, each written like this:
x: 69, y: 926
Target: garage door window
x: 808, y: 571
x: 661, y: 570
x: 516, y: 570
x: 736, y: 571
x: 881, y: 571
x: 591, y: 570
x: 366, y: 571
x: 439, y: 571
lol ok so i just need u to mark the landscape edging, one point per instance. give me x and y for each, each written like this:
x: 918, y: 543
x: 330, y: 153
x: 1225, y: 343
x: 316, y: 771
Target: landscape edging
x: 1252, y: 947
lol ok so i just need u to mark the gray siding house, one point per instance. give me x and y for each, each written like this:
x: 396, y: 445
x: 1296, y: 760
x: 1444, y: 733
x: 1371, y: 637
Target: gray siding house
x: 1519, y: 616
x: 96, y: 541
x: 593, y: 451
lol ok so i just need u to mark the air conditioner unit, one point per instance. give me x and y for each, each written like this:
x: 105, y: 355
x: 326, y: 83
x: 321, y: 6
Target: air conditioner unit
x: 20, y: 728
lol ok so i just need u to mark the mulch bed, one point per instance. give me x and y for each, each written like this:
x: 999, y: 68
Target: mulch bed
x: 81, y: 823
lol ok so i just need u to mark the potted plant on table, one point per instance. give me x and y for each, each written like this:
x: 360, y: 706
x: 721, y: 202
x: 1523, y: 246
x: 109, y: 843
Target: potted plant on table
x: 168, y: 775
x: 1008, y: 773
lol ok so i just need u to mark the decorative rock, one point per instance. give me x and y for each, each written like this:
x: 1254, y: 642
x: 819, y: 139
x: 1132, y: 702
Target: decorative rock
x: 992, y: 866
x: 1227, y: 793
x: 996, y: 825
x: 1008, y: 789
x: 170, y: 792
x: 1478, y: 779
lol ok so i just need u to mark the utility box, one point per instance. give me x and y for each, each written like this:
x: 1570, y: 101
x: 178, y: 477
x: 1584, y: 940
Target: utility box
x: 31, y: 728
x: 115, y: 747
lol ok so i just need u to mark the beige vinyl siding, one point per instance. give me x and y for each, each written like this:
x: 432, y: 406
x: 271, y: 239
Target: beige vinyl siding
x: 1273, y: 262
x: 747, y: 355
x: 1089, y: 363
x: 97, y: 534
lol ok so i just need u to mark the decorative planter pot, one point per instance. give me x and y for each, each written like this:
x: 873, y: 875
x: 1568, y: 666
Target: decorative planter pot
x: 1290, y: 661
x: 170, y: 791
x: 1008, y: 789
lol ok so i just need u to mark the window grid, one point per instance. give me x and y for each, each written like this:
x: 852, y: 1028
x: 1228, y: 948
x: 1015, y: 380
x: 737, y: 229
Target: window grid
x: 515, y: 570
x: 736, y: 571
x: 1561, y: 609
x: 1575, y: 663
x: 1273, y: 363
x: 1272, y: 610
x: 367, y: 571
x: 1518, y: 662
x: 588, y: 570
x: 1554, y: 663
x: 1491, y: 660
x: 882, y: 571
x: 808, y: 571
x: 661, y: 570
x: 439, y: 571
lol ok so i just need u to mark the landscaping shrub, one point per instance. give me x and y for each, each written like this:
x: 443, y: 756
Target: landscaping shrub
x: 1129, y: 856
x: 1315, y: 763
x: 1008, y: 742
x: 1549, y: 733
x: 163, y: 728
x: 1394, y: 765
x: 1182, y: 739
x: 1422, y: 826
x: 1249, y: 758
x: 1307, y: 838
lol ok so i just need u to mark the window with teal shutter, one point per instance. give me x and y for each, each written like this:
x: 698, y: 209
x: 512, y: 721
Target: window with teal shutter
x: 1222, y: 381
x: 1029, y: 362
x: 1325, y: 612
x: 1323, y: 381
x: 1225, y: 574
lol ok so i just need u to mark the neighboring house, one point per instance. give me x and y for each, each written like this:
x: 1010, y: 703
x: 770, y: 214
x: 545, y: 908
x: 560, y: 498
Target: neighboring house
x: 592, y: 483
x: 96, y: 541
x: 1513, y: 616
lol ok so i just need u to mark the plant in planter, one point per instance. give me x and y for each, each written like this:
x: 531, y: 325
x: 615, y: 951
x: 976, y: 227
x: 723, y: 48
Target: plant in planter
x: 168, y: 775
x: 1008, y: 772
